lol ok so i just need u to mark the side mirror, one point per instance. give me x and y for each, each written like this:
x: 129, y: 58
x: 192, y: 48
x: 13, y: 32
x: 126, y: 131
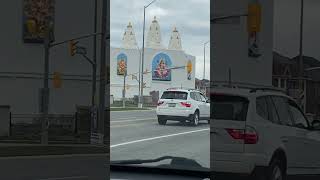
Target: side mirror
x: 316, y: 124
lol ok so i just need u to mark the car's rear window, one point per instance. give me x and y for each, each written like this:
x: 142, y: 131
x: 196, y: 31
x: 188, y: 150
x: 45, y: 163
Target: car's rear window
x: 174, y: 95
x: 229, y: 107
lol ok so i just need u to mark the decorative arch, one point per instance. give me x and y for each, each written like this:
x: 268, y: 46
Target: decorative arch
x: 122, y: 64
x: 161, y: 67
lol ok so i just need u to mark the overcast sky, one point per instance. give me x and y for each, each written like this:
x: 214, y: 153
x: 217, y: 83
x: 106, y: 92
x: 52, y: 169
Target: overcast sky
x: 287, y: 21
x: 191, y: 17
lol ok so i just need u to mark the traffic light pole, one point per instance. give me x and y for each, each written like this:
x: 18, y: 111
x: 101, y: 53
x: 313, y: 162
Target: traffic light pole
x: 103, y: 56
x: 45, y: 91
x: 124, y: 90
x: 94, y: 71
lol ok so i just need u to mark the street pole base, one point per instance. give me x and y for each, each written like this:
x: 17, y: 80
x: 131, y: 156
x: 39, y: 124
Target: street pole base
x: 140, y: 105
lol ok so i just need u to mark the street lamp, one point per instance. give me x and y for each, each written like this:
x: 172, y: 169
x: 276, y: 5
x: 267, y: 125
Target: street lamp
x: 301, y: 70
x: 204, y: 58
x: 142, y: 61
x: 139, y: 81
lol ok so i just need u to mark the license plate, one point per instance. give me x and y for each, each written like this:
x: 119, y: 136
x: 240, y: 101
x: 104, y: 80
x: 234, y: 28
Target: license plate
x: 172, y: 105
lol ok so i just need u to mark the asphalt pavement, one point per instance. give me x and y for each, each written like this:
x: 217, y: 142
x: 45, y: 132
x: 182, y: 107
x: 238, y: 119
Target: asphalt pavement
x: 137, y: 135
x: 61, y: 167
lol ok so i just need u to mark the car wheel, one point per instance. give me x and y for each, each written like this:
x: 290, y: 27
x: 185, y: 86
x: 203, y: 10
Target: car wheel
x: 195, y: 119
x: 162, y: 121
x: 276, y: 171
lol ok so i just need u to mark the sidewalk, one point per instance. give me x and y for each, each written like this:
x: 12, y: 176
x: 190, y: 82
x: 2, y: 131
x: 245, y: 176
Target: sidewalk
x: 15, y: 149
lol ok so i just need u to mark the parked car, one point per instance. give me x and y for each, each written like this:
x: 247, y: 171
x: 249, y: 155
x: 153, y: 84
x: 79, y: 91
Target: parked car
x: 262, y: 132
x: 183, y: 105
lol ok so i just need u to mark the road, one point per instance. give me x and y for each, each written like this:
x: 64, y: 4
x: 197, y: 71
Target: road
x: 65, y: 167
x: 137, y: 135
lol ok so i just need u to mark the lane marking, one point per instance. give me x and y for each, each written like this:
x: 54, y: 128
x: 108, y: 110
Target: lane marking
x: 158, y: 137
x: 149, y: 110
x: 133, y: 120
x: 71, y: 177
x: 123, y: 118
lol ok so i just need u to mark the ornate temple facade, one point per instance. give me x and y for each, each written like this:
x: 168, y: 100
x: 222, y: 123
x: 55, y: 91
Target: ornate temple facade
x: 164, y: 67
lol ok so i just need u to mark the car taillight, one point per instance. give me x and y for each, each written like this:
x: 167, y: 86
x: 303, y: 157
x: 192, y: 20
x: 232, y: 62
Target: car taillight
x: 249, y: 135
x: 185, y: 104
x: 160, y: 103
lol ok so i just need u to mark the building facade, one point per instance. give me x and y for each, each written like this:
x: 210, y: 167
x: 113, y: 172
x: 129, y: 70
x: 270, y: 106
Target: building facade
x: 163, y: 67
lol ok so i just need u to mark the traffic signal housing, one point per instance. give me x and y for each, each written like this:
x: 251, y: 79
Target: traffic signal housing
x: 57, y: 80
x: 254, y: 18
x: 73, y: 47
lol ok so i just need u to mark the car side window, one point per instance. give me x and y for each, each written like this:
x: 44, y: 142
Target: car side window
x: 203, y: 98
x: 273, y: 114
x: 261, y: 108
x: 297, y: 116
x: 198, y: 97
x: 282, y: 107
x: 193, y: 96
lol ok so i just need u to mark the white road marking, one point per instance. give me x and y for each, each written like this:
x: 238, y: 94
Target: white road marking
x: 132, y: 120
x: 158, y: 137
x: 71, y: 177
x: 149, y: 110
x: 124, y: 118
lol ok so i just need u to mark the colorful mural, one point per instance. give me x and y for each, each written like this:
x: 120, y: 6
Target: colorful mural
x: 36, y: 15
x: 161, y: 65
x: 122, y: 64
x: 189, y: 70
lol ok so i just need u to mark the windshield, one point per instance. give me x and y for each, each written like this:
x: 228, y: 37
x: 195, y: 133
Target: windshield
x: 152, y: 115
x: 174, y: 95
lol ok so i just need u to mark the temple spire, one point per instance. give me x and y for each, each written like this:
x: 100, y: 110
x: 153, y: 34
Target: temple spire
x: 175, y: 40
x: 154, y: 35
x: 129, y: 38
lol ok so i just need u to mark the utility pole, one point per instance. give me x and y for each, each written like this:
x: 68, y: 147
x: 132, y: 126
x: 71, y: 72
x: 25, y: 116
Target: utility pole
x: 124, y: 90
x: 204, y: 59
x: 94, y: 58
x: 301, y: 67
x: 102, y: 90
x: 45, y: 89
x: 142, y: 61
x: 139, y: 79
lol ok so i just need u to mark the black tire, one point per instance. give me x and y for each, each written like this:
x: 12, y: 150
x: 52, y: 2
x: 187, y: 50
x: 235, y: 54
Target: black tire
x: 276, y: 170
x: 162, y: 121
x: 195, y: 119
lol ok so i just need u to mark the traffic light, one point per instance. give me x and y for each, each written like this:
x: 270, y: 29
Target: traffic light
x: 254, y: 18
x: 73, y: 47
x: 57, y: 80
x: 31, y: 26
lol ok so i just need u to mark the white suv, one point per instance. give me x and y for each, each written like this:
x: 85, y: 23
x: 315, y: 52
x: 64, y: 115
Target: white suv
x: 183, y: 105
x: 261, y: 132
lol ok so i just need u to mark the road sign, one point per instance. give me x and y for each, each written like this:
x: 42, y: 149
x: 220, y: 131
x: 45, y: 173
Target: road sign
x: 94, y: 114
x: 96, y: 138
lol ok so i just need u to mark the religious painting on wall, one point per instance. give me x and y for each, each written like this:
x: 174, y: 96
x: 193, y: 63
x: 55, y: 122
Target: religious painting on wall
x: 122, y: 64
x: 161, y: 65
x: 36, y: 16
x: 189, y: 70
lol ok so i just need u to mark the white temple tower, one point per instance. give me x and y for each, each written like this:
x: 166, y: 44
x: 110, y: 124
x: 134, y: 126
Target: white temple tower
x: 175, y: 41
x: 129, y: 38
x: 154, y: 36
